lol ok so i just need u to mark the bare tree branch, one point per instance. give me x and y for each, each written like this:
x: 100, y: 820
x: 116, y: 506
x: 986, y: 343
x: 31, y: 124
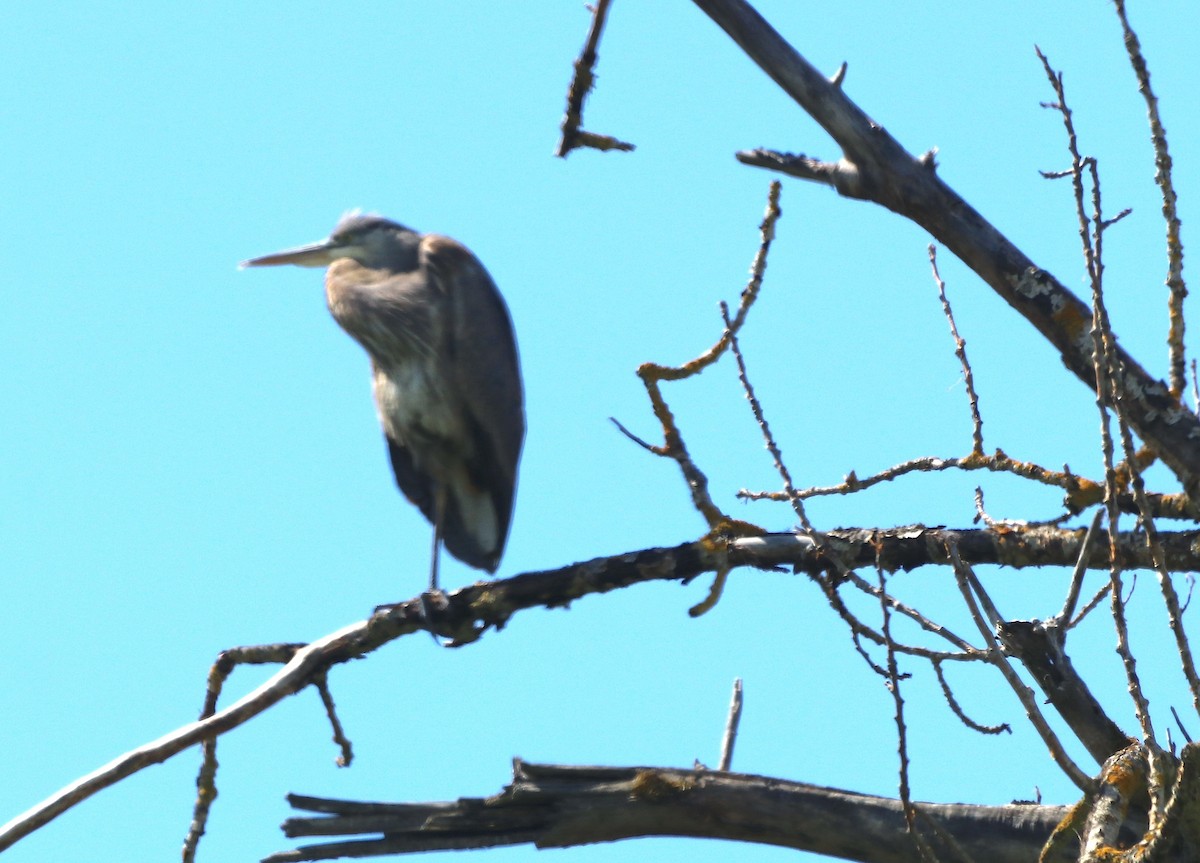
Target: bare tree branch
x: 552, y: 806
x: 729, y: 738
x: 1080, y: 492
x: 1039, y: 647
x: 970, y: 588
x: 1121, y: 782
x: 293, y: 677
x: 573, y: 134
x: 470, y: 611
x: 875, y: 167
x: 1162, y: 175
x: 960, y: 351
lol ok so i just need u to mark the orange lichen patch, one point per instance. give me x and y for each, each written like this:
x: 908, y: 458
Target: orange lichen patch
x: 1127, y: 772
x: 1082, y: 494
x: 1076, y: 321
x: 1109, y: 855
x: 977, y: 460
x: 1067, y: 832
x: 654, y: 785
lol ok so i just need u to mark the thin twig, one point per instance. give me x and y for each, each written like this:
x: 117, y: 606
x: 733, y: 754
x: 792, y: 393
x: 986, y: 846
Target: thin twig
x: 1081, y: 492
x: 731, y: 727
x: 321, y: 682
x: 1179, y: 722
x: 206, y: 778
x: 760, y: 418
x: 981, y: 513
x: 1077, y: 574
x: 637, y: 440
x: 1162, y: 176
x: 1091, y: 231
x: 956, y: 708
x: 1166, y: 586
x: 965, y: 578
x: 1195, y: 390
x: 960, y: 351
x: 713, y: 596
x: 893, y: 685
x: 1156, y: 759
x: 1091, y: 605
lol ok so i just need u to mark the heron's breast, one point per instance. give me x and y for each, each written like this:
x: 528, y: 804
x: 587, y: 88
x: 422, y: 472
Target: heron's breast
x: 416, y: 410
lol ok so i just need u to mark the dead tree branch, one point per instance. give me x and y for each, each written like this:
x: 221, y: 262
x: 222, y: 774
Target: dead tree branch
x: 1079, y: 491
x: 1162, y: 175
x: 875, y: 167
x: 975, y: 597
x: 553, y: 806
x: 960, y: 351
x: 470, y: 611
x: 573, y: 134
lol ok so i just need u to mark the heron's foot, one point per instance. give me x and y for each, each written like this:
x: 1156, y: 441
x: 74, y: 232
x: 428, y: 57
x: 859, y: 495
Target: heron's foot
x: 428, y: 599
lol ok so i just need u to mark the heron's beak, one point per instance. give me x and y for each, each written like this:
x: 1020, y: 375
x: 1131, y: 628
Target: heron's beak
x: 320, y: 254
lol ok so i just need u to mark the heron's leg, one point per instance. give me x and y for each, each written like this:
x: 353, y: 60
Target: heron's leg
x: 439, y: 511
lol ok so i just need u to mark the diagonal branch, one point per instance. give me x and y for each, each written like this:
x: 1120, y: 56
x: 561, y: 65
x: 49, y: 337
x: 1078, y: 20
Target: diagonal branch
x: 877, y: 168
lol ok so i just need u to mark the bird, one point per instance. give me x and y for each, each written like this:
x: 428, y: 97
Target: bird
x: 445, y: 373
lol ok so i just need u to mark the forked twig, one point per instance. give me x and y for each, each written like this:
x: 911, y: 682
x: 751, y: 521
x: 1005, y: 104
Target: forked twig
x: 206, y: 778
x: 573, y: 135
x: 653, y: 374
x: 964, y: 578
x: 721, y: 526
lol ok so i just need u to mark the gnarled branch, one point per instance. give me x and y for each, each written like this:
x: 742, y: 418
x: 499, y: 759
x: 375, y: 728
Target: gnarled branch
x: 553, y: 806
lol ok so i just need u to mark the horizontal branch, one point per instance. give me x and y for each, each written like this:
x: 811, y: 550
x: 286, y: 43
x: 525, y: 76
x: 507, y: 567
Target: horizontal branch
x: 552, y: 806
x: 911, y: 547
x: 465, y: 614
x: 875, y: 167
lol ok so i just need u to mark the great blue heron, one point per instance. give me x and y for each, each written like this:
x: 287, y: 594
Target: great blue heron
x: 446, y: 376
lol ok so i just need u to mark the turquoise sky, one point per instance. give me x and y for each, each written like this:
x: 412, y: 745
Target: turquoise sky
x: 190, y: 458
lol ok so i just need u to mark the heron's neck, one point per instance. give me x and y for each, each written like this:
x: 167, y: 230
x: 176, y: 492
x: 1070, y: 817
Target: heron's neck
x: 384, y: 311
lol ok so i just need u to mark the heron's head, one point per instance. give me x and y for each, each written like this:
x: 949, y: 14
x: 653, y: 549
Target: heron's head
x: 371, y: 240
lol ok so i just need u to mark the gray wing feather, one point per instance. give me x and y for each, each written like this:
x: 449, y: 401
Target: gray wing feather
x: 484, y: 368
